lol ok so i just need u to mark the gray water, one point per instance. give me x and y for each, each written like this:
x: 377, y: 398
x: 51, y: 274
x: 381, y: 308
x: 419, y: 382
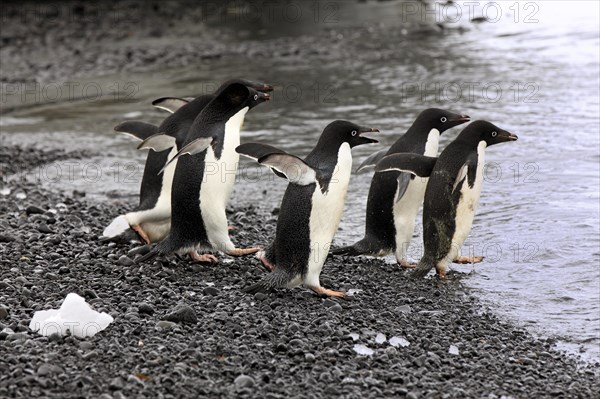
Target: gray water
x: 538, y: 219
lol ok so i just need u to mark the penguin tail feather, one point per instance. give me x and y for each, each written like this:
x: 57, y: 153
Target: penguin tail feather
x: 261, y: 286
x: 149, y: 256
x: 124, y: 238
x: 422, y: 269
x: 276, y: 279
x: 348, y: 251
x: 362, y: 247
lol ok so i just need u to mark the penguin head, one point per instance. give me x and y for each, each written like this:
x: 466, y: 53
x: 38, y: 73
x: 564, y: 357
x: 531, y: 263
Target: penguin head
x: 257, y: 97
x: 258, y: 86
x: 237, y: 96
x: 479, y: 131
x: 440, y: 119
x: 339, y: 132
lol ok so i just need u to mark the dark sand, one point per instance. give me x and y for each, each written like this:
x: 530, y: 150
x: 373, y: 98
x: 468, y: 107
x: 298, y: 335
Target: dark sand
x: 287, y: 344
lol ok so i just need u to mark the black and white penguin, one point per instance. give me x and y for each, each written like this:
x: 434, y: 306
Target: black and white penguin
x: 204, y: 177
x: 311, y: 207
x: 452, y: 194
x: 395, y: 198
x: 151, y: 219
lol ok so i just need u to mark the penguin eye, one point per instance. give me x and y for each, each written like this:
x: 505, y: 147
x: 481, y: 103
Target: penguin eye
x: 444, y: 119
x: 494, y: 133
x: 255, y: 97
x: 354, y: 132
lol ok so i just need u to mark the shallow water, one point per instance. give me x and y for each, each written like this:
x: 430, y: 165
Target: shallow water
x: 538, y: 219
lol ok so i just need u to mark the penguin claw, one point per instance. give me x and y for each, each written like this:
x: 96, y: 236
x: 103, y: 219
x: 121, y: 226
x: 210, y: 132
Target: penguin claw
x: 206, y: 258
x: 138, y: 229
x: 464, y: 260
x: 231, y: 228
x: 242, y: 251
x: 329, y: 293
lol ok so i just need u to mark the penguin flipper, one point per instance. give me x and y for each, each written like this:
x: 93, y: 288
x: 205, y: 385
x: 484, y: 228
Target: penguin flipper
x: 418, y: 165
x: 403, y: 182
x: 468, y: 170
x: 293, y: 168
x: 371, y: 160
x: 191, y: 148
x: 137, y: 129
x: 169, y: 104
x: 256, y: 151
x: 157, y: 142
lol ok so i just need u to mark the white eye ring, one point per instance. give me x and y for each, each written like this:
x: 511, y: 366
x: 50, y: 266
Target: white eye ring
x: 255, y: 97
x: 494, y: 134
x: 354, y: 132
x: 444, y: 119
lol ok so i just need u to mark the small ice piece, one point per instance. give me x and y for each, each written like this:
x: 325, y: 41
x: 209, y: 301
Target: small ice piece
x: 453, y: 350
x: 21, y: 195
x: 116, y: 227
x: 210, y: 284
x: 74, y: 315
x: 5, y: 191
x: 353, y: 291
x: 354, y: 336
x: 363, y: 350
x: 380, y: 338
x: 398, y: 341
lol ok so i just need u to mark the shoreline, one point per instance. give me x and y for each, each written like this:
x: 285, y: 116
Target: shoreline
x: 286, y: 343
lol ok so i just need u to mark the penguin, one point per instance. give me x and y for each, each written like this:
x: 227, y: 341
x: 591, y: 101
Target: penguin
x: 395, y: 198
x: 311, y: 207
x: 452, y: 193
x: 204, y: 175
x: 151, y: 219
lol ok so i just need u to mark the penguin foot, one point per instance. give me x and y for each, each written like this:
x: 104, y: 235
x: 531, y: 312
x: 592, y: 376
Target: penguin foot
x: 268, y: 265
x: 328, y: 292
x: 404, y: 263
x: 242, y: 251
x: 138, y: 229
x: 231, y: 228
x: 206, y: 258
x: 464, y: 260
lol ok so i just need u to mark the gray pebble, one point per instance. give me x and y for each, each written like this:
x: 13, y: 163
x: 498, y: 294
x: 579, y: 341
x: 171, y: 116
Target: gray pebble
x: 243, y: 381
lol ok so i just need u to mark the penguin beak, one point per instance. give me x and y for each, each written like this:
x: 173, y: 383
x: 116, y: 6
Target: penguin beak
x: 265, y: 88
x: 264, y: 96
x: 367, y: 140
x: 503, y: 136
x: 460, y: 118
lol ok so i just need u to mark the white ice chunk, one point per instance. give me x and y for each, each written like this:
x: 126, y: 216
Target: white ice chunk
x: 74, y: 315
x: 354, y: 336
x: 116, y: 227
x: 398, y: 341
x: 21, y: 196
x: 363, y: 350
x: 453, y: 350
x: 5, y: 191
x: 380, y: 338
x: 353, y: 291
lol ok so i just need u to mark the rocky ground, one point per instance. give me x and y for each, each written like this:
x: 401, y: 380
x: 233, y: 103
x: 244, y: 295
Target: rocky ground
x: 187, y: 330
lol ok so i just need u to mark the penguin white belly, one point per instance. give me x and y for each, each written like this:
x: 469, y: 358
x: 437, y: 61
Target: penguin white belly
x: 405, y: 211
x: 326, y: 214
x: 465, y: 211
x: 217, y: 184
x: 162, y: 209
